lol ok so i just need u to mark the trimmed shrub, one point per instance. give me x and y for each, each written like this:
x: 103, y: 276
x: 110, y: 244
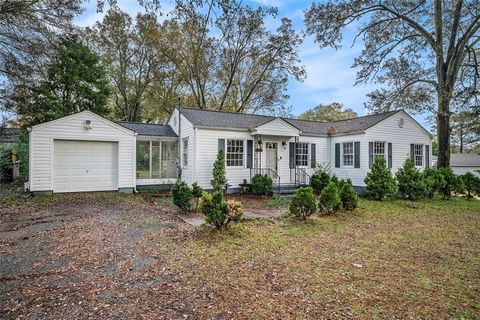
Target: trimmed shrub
x: 380, y: 181
x: 471, y: 184
x: 330, y: 199
x: 197, y: 192
x: 433, y: 182
x: 213, y: 207
x: 218, y: 212
x: 262, y: 185
x: 218, y: 172
x: 318, y: 181
x: 410, y: 180
x: 348, y: 196
x: 335, y: 180
x: 182, y: 195
x: 452, y: 182
x: 302, y: 204
x: 234, y: 211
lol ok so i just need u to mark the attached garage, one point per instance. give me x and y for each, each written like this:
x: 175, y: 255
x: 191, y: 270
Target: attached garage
x: 81, y: 152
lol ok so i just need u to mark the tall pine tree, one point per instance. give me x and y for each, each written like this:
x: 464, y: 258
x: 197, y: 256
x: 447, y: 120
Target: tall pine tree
x: 75, y: 81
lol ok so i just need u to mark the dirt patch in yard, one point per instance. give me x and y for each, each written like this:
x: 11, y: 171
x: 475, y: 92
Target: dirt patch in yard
x: 130, y: 256
x: 80, y: 256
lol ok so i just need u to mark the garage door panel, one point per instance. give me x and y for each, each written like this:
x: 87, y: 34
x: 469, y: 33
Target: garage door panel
x: 85, y: 166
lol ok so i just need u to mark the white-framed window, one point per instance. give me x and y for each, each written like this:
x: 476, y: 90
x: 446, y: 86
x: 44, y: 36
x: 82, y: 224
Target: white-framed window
x: 348, y: 154
x: 235, y: 153
x: 418, y: 155
x: 378, y: 149
x: 185, y: 151
x: 301, y: 154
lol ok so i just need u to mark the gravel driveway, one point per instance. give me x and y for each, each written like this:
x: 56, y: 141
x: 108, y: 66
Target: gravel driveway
x: 90, y: 256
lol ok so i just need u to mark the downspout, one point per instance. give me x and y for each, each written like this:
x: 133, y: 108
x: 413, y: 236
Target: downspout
x: 179, y: 162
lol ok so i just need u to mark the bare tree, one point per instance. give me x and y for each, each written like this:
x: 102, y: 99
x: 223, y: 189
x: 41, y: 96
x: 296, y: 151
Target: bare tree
x: 422, y: 50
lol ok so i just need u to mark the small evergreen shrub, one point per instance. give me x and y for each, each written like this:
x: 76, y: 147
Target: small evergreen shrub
x: 182, y: 195
x: 197, y: 192
x: 218, y: 172
x: 452, y: 182
x: 433, y: 182
x: 219, y: 213
x: 410, y: 180
x: 214, y: 208
x: 330, y: 199
x: 348, y: 196
x: 303, y: 204
x: 335, y: 180
x: 262, y: 184
x: 380, y: 181
x: 318, y: 181
x: 471, y: 184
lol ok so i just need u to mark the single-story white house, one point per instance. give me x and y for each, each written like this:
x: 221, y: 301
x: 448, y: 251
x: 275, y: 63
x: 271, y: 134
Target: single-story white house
x: 462, y: 163
x: 85, y: 152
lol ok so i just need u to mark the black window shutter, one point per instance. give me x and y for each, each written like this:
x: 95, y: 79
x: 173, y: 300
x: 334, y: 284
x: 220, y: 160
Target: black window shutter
x: 390, y: 158
x: 249, y: 153
x: 427, y: 156
x: 313, y: 156
x: 292, y: 154
x: 370, y: 154
x: 337, y: 155
x: 221, y: 144
x: 356, y: 151
x: 412, y: 151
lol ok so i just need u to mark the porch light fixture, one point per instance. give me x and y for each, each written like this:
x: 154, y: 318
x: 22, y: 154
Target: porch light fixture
x: 88, y: 124
x: 260, y: 142
x: 284, y: 145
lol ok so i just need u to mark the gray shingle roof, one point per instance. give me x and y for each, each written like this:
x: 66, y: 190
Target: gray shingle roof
x: 9, y: 135
x: 465, y: 160
x: 216, y: 119
x: 149, y: 129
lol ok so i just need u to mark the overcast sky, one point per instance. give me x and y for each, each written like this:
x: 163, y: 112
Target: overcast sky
x: 330, y: 77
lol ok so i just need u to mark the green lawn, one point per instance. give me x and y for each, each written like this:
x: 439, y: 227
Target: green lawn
x: 385, y: 260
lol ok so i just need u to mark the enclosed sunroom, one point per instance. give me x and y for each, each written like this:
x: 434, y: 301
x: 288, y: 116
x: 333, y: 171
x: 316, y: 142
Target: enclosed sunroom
x: 156, y: 154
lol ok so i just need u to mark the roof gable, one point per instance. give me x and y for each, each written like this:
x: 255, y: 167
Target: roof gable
x: 83, y: 113
x: 278, y: 127
x: 412, y: 120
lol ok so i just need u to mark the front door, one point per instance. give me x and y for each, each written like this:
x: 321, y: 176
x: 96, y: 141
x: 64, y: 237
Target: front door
x: 271, y: 154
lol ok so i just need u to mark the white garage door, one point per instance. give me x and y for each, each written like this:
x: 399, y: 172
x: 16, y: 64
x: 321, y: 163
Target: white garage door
x: 85, y: 166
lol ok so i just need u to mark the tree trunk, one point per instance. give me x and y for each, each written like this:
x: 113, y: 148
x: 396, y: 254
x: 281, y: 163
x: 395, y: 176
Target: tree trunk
x: 443, y: 131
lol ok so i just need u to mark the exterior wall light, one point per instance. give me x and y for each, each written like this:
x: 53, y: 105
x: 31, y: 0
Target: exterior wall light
x: 88, y: 124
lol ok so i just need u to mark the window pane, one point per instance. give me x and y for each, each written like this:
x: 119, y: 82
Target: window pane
x: 234, y: 153
x: 301, y: 157
x: 348, y: 154
x: 379, y: 150
x: 418, y: 154
x: 185, y: 152
x: 155, y: 160
x: 143, y: 159
x: 169, y: 155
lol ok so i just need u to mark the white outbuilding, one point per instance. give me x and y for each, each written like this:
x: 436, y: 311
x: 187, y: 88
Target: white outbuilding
x: 81, y: 152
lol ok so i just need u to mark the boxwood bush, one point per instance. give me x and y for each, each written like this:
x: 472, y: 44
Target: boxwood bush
x: 303, y: 203
x: 182, y: 195
x: 262, y: 184
x: 330, y: 199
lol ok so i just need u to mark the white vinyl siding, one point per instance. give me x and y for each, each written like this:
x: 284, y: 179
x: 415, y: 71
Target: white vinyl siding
x: 42, y: 147
x: 186, y: 131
